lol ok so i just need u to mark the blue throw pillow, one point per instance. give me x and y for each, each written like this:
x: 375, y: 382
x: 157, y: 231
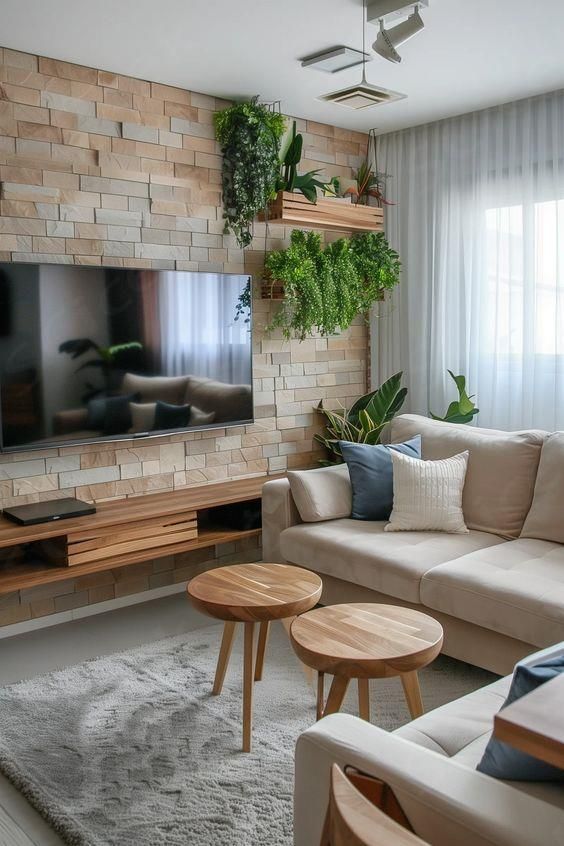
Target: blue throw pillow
x: 501, y: 760
x: 371, y: 472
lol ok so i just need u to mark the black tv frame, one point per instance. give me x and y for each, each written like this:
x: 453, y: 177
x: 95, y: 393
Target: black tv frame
x: 161, y: 433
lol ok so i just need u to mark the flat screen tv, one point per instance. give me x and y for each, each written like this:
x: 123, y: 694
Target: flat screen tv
x: 97, y: 353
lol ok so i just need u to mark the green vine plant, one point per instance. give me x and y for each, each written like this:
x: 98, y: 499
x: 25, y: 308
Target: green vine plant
x: 326, y: 287
x: 364, y: 422
x: 462, y: 410
x: 249, y: 135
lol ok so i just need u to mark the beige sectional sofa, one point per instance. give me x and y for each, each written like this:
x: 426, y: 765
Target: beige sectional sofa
x: 498, y: 590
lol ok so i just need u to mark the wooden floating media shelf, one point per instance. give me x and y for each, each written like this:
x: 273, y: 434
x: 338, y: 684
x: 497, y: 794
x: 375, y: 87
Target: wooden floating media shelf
x: 122, y: 532
x: 292, y: 209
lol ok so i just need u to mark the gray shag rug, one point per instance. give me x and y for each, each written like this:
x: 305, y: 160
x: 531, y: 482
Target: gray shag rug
x: 132, y: 750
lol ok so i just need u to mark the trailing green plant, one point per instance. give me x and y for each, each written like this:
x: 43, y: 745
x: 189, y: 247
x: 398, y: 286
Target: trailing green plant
x: 303, y: 269
x: 462, y: 410
x: 364, y: 421
x: 290, y: 180
x: 244, y: 304
x: 249, y: 135
x: 377, y: 264
x: 327, y: 287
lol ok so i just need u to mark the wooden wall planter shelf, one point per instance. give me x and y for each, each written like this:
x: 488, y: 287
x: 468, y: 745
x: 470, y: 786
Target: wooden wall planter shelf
x: 121, y: 532
x: 292, y: 209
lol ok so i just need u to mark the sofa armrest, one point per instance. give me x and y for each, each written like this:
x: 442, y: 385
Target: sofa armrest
x: 445, y: 802
x: 279, y: 512
x: 71, y: 420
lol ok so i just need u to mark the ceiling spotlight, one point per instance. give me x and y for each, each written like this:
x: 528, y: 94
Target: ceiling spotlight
x: 389, y: 39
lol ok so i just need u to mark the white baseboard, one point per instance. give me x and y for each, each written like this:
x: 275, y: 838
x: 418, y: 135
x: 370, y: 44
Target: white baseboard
x: 89, y: 610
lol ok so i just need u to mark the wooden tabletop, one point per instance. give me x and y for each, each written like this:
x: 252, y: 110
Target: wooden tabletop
x: 535, y: 723
x: 255, y: 592
x: 366, y: 640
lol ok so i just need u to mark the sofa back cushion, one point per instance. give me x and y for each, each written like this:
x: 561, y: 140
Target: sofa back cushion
x: 322, y: 494
x: 544, y: 520
x: 502, y: 468
x: 227, y: 402
x: 152, y: 388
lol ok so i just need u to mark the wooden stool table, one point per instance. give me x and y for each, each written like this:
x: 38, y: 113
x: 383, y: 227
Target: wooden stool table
x: 250, y: 594
x: 366, y: 641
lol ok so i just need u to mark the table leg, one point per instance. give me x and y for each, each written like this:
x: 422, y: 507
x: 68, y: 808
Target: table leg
x: 364, y: 699
x: 248, y: 686
x: 336, y: 695
x: 261, y: 649
x: 223, y: 659
x: 320, y: 694
x: 412, y: 692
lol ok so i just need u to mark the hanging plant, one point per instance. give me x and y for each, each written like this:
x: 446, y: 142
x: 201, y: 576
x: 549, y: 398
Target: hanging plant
x: 378, y: 267
x: 325, y: 288
x: 249, y: 135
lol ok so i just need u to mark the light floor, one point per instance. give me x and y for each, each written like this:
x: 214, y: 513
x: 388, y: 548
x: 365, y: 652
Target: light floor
x: 61, y: 646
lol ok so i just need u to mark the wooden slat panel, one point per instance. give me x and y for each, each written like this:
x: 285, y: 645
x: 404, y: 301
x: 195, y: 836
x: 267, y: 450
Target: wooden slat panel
x: 133, y: 527
x: 162, y: 542
x: 102, y: 543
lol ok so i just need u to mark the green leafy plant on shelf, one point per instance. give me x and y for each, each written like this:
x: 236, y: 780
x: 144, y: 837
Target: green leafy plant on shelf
x: 363, y: 422
x: 290, y: 180
x: 462, y: 410
x: 326, y: 287
x: 249, y: 135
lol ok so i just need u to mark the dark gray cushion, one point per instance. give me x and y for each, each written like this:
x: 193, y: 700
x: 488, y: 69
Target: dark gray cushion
x: 371, y: 472
x: 500, y: 760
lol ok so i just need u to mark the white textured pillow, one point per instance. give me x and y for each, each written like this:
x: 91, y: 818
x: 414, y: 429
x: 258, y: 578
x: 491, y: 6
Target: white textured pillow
x: 322, y: 494
x: 428, y: 494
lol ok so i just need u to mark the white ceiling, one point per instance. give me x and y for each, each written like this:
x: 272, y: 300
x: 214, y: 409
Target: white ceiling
x: 472, y: 53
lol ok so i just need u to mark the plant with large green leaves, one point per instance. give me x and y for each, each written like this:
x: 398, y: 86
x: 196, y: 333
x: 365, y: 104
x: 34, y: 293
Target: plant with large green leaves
x: 249, y: 135
x: 364, y: 422
x: 462, y: 410
x: 290, y: 180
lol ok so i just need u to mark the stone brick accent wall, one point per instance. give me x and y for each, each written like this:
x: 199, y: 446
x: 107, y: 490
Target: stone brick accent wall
x: 103, y: 169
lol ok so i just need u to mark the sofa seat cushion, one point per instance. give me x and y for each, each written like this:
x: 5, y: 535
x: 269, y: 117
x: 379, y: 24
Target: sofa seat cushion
x: 461, y: 729
x: 515, y: 588
x: 361, y: 552
x: 502, y: 468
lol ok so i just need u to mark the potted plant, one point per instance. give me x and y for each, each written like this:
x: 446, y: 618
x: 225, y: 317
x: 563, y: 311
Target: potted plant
x: 364, y: 421
x: 369, y: 183
x: 249, y: 135
x: 290, y: 180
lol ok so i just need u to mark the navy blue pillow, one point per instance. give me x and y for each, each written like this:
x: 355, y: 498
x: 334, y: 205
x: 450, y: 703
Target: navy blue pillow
x: 371, y: 472
x: 501, y: 760
x: 169, y: 416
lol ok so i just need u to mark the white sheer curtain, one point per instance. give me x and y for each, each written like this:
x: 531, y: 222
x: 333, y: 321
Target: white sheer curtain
x: 479, y: 224
x: 199, y: 333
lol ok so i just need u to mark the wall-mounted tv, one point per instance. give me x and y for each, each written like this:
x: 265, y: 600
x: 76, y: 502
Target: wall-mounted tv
x: 97, y: 353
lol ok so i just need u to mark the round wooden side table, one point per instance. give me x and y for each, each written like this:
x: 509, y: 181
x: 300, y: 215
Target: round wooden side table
x: 366, y: 641
x: 250, y: 594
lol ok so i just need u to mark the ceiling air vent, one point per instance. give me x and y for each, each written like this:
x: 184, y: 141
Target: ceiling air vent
x: 362, y: 96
